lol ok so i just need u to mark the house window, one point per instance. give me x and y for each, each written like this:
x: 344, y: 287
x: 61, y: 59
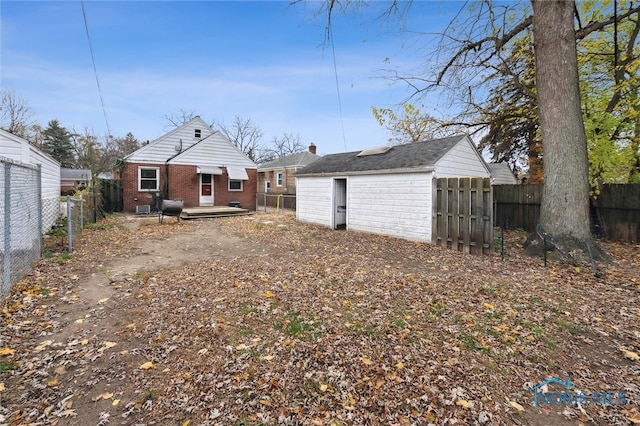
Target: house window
x: 235, y: 185
x: 148, y: 178
x: 279, y: 179
x: 267, y: 186
x: 197, y: 133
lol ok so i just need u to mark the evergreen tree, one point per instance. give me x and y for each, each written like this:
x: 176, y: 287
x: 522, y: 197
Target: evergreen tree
x: 57, y: 143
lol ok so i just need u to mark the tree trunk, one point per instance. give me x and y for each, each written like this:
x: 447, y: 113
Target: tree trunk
x: 564, y: 213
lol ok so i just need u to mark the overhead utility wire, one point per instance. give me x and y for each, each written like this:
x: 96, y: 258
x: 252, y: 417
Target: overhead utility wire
x: 335, y: 70
x: 95, y: 70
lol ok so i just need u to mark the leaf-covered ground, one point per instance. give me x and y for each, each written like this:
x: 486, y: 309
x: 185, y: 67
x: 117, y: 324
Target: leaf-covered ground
x: 263, y: 320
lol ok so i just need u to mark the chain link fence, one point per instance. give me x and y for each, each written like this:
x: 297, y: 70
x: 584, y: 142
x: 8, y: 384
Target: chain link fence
x: 21, y: 220
x: 75, y: 219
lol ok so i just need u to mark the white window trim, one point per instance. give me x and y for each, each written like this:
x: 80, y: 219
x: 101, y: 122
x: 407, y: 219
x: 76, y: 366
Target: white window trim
x: 279, y: 179
x: 157, y: 169
x: 235, y: 190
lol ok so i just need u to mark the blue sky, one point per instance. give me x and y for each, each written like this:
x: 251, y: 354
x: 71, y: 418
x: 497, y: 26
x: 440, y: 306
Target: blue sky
x: 266, y: 61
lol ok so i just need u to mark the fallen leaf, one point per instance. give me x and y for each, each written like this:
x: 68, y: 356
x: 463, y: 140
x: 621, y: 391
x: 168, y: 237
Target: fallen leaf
x: 515, y: 405
x: 324, y: 388
x: 2, y: 388
x: 53, y: 383
x: 43, y: 345
x: 147, y: 365
x: 115, y: 402
x: 400, y: 365
x: 107, y: 395
x: 268, y: 294
x: 101, y: 301
x: 366, y: 361
x: 631, y: 355
x: 7, y: 351
x: 110, y: 345
x: 463, y: 403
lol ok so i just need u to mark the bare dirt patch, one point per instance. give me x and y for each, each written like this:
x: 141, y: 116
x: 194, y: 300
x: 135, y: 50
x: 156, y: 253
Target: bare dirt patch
x: 262, y: 320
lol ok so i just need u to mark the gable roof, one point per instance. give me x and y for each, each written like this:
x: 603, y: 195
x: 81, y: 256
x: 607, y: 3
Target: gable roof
x: 75, y: 174
x: 164, y: 147
x: 501, y: 174
x: 214, y: 150
x: 299, y: 159
x: 182, y: 146
x: 19, y: 149
x: 418, y: 156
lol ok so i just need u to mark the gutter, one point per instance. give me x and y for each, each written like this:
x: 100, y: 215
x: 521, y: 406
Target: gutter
x: 427, y: 169
x: 165, y: 190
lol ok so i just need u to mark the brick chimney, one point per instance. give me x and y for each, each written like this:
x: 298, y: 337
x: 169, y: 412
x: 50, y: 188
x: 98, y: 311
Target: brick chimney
x: 312, y: 148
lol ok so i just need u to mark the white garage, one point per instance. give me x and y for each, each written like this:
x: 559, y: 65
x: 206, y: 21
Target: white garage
x: 386, y: 190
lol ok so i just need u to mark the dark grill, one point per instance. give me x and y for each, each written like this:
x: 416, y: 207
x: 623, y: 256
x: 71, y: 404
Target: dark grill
x: 171, y: 208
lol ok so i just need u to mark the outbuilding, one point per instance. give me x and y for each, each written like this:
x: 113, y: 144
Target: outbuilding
x: 20, y: 150
x: 387, y: 190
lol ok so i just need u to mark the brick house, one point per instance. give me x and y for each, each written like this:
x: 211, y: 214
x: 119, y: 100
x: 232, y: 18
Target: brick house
x: 277, y: 176
x: 193, y: 163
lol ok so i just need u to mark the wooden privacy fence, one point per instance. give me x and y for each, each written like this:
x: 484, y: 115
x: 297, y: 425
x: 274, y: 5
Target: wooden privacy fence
x: 517, y: 206
x: 618, y: 209
x: 615, y: 213
x: 463, y: 215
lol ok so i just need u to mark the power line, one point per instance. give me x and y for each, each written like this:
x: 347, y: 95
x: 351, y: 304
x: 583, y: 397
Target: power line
x: 95, y: 70
x: 335, y: 70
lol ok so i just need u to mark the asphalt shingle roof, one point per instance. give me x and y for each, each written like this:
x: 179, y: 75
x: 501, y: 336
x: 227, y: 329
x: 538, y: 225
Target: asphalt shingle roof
x: 413, y: 155
x: 299, y: 159
x: 75, y: 174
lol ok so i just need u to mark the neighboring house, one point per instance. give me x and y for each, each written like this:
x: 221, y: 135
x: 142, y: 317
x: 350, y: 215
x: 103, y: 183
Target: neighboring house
x: 193, y: 163
x: 72, y: 180
x: 18, y: 149
x: 501, y: 174
x: 277, y: 176
x: 385, y: 190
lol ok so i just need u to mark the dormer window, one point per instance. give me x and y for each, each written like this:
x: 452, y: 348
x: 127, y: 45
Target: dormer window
x: 197, y: 133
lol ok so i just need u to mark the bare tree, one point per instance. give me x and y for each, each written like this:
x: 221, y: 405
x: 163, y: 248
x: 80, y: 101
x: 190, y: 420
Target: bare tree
x: 244, y: 134
x: 180, y: 118
x: 286, y: 144
x: 15, y: 114
x: 88, y: 150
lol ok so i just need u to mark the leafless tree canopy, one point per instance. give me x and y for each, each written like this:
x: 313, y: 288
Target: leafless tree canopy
x: 244, y: 134
x: 180, y: 118
x: 15, y: 114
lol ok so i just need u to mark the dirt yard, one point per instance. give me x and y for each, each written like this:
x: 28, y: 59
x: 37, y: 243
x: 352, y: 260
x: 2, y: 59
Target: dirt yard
x: 259, y: 320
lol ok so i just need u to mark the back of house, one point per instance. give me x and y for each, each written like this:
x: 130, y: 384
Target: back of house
x: 193, y: 163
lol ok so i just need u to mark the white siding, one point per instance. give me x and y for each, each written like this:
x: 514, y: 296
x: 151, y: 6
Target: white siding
x: 10, y: 149
x: 164, y: 147
x: 463, y: 160
x: 216, y: 150
x: 314, y: 202
x: 397, y: 205
x: 501, y: 174
x: 18, y: 149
